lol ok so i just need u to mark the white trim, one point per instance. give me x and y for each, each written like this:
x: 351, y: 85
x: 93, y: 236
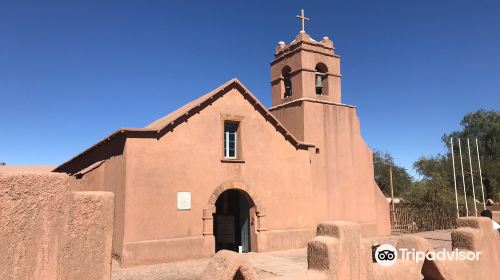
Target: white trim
x: 227, y: 142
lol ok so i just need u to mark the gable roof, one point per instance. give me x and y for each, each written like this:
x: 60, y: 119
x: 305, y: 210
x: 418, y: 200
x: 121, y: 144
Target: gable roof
x: 167, y: 123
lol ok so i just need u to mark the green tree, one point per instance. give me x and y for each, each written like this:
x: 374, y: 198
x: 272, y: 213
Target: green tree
x: 402, y: 181
x: 485, y: 126
x: 436, y: 183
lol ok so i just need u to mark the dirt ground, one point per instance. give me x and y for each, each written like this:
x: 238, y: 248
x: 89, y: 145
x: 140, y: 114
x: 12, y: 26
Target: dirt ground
x: 267, y: 265
x: 439, y: 239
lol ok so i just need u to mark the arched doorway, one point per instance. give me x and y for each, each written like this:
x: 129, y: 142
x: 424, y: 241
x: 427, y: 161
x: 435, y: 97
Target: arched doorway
x: 233, y: 221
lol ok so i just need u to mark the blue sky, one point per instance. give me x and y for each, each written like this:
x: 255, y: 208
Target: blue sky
x: 72, y: 72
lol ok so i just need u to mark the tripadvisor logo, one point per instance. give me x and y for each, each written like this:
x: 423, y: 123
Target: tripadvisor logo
x: 386, y: 255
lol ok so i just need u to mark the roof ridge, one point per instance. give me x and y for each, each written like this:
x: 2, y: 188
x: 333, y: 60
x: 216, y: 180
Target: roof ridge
x: 160, y: 126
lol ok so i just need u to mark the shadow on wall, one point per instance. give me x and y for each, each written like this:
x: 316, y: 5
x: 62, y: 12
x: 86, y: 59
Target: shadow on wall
x: 50, y: 232
x: 339, y: 252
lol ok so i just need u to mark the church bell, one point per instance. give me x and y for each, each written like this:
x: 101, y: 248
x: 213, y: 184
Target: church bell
x: 319, y: 82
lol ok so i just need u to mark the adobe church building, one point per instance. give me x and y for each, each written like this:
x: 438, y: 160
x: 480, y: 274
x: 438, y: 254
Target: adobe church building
x: 224, y: 172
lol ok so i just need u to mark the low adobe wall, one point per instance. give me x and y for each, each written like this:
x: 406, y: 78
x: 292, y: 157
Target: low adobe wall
x: 25, y: 168
x: 228, y: 265
x: 473, y: 234
x: 339, y: 252
x: 49, y: 232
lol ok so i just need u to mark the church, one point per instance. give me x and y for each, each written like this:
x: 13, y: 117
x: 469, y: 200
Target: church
x: 225, y: 172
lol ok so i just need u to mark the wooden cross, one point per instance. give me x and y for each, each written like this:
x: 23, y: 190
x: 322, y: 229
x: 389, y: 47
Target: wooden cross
x: 303, y: 19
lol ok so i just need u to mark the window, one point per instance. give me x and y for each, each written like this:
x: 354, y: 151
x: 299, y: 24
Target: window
x: 287, y: 81
x: 231, y: 139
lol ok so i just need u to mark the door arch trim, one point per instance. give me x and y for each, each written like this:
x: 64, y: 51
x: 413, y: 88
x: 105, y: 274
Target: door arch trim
x: 209, y: 210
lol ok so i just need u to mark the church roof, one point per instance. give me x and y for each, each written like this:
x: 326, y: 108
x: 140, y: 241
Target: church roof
x: 165, y: 120
x: 167, y: 123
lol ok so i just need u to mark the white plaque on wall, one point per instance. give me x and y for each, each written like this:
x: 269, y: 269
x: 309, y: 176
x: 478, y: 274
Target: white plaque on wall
x: 183, y: 200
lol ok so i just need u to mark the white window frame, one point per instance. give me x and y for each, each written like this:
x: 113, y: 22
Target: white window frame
x: 227, y: 145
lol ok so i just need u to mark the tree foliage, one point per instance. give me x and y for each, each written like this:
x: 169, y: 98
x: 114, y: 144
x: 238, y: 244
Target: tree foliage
x: 436, y: 184
x: 484, y: 126
x: 400, y: 177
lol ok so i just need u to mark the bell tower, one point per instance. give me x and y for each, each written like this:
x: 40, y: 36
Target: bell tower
x: 305, y: 77
x: 305, y: 69
x: 306, y: 99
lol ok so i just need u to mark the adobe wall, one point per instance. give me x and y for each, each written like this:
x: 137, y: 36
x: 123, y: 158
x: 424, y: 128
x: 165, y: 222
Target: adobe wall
x: 92, y: 179
x: 473, y: 234
x: 339, y: 252
x: 106, y: 176
x: 25, y: 168
x: 50, y: 232
x: 348, y: 162
x: 190, y: 159
x: 115, y: 182
x: 343, y: 169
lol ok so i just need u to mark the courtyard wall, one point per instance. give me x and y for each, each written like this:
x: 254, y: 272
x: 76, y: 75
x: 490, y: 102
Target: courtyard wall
x: 48, y: 231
